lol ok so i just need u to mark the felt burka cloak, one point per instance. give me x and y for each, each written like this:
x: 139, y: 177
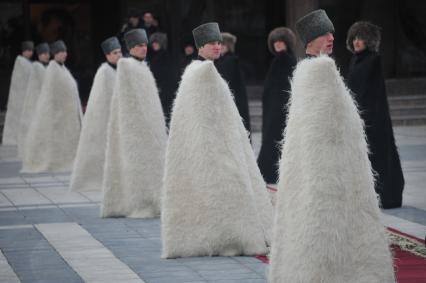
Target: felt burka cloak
x: 137, y: 137
x: 87, y: 174
x: 18, y: 89
x: 327, y: 226
x: 215, y: 201
x: 38, y: 70
x: 53, y: 134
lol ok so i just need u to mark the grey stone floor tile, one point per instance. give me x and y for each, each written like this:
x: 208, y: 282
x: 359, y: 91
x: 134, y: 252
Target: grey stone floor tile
x: 408, y: 213
x: 12, y: 218
x: 213, y: 267
x: 232, y: 274
x: 13, y: 245
x: 167, y: 279
x: 50, y: 215
x: 22, y: 234
x: 9, y: 169
x: 241, y: 281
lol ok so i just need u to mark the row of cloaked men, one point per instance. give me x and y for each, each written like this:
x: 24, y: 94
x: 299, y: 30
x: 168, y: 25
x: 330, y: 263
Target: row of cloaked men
x: 201, y: 176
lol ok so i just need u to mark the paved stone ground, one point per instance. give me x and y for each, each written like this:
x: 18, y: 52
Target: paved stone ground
x: 48, y: 234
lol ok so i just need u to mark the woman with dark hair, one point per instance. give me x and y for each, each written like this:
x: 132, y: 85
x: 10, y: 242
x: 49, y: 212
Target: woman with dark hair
x: 365, y: 80
x: 281, y: 43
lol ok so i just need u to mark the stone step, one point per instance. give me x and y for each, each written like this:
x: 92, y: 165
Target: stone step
x: 410, y: 110
x: 406, y: 86
x: 407, y: 100
x: 404, y: 110
x: 408, y: 120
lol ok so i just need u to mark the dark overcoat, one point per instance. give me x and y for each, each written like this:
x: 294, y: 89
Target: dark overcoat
x: 275, y: 98
x: 161, y: 67
x: 228, y: 66
x: 365, y: 80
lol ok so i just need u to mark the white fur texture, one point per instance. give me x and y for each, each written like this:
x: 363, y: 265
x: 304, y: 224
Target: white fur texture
x: 215, y: 200
x: 33, y: 93
x: 53, y: 135
x: 87, y: 174
x: 18, y: 90
x: 327, y: 226
x: 136, y: 145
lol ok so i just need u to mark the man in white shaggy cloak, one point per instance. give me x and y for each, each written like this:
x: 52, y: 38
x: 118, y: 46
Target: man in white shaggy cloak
x: 18, y: 90
x: 87, y: 174
x: 52, y: 137
x: 215, y: 200
x: 35, y: 81
x: 327, y: 220
x: 137, y: 136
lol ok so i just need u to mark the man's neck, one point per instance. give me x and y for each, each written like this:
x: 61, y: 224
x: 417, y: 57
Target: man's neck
x: 202, y: 58
x: 136, y: 57
x: 311, y: 53
x: 44, y: 63
x: 112, y: 65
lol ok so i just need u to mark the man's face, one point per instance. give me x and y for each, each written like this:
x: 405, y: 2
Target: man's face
x: 322, y: 44
x: 113, y: 56
x: 134, y: 21
x: 148, y: 19
x: 211, y: 50
x: 139, y: 51
x: 61, y: 57
x: 44, y: 57
x: 189, y: 50
x: 359, y: 44
x: 27, y: 54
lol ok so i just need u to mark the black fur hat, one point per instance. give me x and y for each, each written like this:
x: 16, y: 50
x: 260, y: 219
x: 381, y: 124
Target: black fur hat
x: 281, y: 34
x: 366, y: 31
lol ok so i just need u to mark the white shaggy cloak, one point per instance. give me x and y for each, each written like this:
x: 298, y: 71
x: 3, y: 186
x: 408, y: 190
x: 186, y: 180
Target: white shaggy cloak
x: 136, y: 145
x: 35, y: 82
x: 215, y: 201
x: 327, y: 226
x: 87, y: 174
x: 52, y: 137
x: 18, y: 90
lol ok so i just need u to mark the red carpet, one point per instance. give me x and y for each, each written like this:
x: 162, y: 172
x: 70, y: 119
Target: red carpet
x: 409, y: 257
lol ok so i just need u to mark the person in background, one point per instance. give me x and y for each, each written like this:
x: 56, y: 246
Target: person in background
x: 281, y: 42
x: 365, y: 80
x: 18, y: 88
x: 228, y: 66
x: 160, y: 64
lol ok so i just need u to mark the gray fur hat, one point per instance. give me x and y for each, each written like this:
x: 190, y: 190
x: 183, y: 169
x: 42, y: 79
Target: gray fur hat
x: 313, y: 25
x: 42, y: 48
x: 229, y: 40
x: 110, y: 44
x: 159, y: 37
x: 366, y: 31
x: 27, y: 45
x: 58, y: 46
x: 281, y: 34
x: 206, y: 33
x: 134, y: 37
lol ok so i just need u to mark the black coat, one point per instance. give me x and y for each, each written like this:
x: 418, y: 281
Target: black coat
x: 365, y: 80
x: 166, y: 79
x: 275, y: 98
x: 228, y: 67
